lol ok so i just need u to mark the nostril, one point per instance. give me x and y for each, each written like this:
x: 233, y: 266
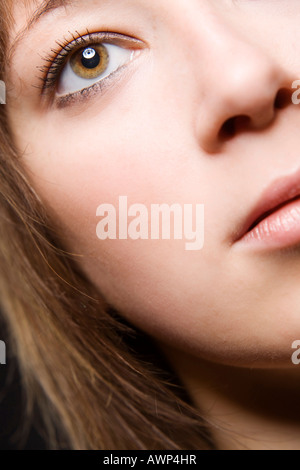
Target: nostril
x: 283, y: 99
x: 243, y: 123
x: 228, y: 129
x: 232, y: 126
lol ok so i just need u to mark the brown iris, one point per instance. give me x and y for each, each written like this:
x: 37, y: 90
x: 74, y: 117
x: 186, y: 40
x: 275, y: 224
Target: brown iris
x: 90, y: 62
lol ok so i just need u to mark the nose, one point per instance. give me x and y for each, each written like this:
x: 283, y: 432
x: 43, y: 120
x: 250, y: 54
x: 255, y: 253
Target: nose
x: 244, y: 89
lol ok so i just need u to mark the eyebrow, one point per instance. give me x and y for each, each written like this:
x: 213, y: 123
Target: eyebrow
x: 45, y: 8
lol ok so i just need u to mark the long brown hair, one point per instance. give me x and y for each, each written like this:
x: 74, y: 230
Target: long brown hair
x: 80, y: 363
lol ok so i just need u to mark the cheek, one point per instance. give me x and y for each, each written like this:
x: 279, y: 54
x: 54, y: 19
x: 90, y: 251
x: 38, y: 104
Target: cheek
x: 157, y: 284
x: 145, y: 279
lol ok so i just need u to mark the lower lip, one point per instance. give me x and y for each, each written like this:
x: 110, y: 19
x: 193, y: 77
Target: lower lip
x: 279, y: 229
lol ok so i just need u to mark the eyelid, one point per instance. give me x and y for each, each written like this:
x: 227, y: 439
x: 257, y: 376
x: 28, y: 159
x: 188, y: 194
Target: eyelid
x: 58, y: 59
x: 78, y: 97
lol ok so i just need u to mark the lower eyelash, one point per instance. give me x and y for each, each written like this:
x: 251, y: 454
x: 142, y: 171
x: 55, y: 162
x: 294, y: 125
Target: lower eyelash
x: 86, y: 93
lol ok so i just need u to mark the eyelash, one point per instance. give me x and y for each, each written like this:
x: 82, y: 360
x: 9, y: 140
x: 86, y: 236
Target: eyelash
x: 58, y: 57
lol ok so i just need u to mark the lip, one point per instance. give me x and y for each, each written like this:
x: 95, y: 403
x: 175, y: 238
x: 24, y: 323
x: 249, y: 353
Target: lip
x: 274, y: 221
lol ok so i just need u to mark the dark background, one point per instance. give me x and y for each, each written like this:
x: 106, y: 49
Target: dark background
x: 13, y: 433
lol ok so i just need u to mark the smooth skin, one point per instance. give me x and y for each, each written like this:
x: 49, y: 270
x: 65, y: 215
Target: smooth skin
x: 160, y: 133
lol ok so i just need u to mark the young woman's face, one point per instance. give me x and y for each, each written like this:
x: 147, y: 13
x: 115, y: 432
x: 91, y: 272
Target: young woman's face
x: 190, y: 104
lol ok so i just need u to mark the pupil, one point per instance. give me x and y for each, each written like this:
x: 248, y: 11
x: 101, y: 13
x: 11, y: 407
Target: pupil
x: 90, y: 58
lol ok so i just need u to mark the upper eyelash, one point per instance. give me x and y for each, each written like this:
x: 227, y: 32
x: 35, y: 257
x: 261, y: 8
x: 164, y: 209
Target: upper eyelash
x: 55, y: 61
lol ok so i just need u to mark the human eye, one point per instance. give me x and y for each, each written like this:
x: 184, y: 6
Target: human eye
x: 87, y: 63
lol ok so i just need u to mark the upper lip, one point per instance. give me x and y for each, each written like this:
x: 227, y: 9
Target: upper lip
x: 280, y: 192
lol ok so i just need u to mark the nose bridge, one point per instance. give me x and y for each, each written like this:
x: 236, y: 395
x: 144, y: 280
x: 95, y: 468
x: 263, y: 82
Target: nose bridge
x: 224, y: 42
x: 244, y: 67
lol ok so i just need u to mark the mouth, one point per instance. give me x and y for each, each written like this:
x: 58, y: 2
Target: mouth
x: 274, y: 221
